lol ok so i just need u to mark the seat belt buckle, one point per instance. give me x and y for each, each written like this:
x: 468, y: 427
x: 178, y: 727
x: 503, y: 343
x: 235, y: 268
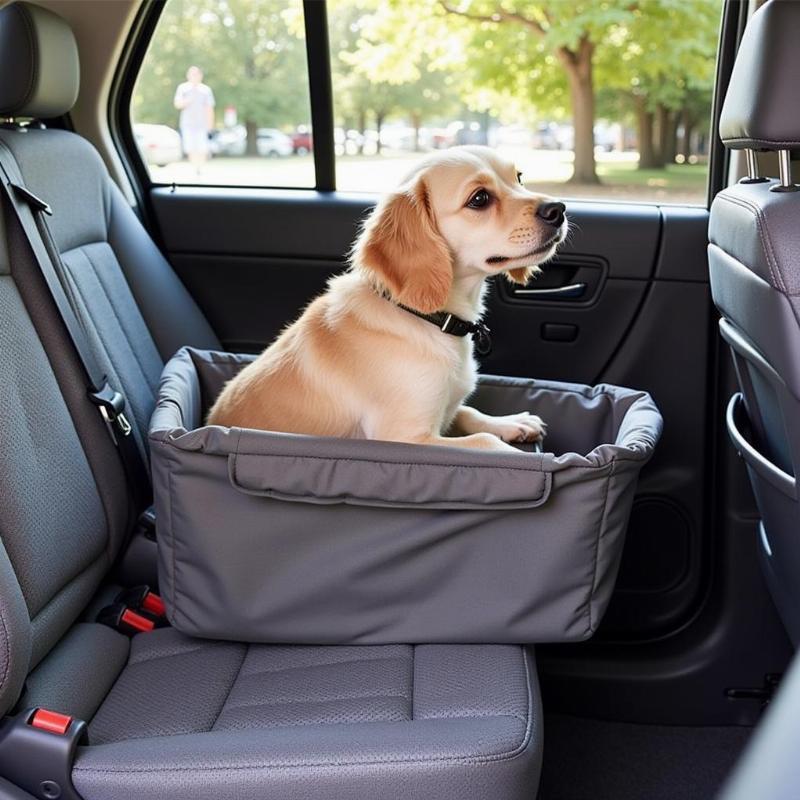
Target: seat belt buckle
x: 37, y: 752
x: 142, y: 599
x: 50, y: 721
x: 146, y: 524
x: 111, y: 404
x: 125, y: 620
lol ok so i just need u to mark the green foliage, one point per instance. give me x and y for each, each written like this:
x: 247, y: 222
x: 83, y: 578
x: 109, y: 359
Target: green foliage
x: 371, y: 76
x: 664, y: 53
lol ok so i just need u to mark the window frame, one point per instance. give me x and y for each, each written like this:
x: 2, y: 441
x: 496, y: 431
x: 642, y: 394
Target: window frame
x: 315, y: 18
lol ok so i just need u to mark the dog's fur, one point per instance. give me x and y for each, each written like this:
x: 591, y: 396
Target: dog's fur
x: 356, y: 365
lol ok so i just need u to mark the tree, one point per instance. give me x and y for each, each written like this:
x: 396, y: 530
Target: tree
x: 663, y: 60
x: 532, y: 36
x: 540, y: 50
x: 372, y: 78
x: 555, y: 54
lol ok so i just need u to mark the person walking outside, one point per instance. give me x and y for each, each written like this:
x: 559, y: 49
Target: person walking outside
x: 195, y: 101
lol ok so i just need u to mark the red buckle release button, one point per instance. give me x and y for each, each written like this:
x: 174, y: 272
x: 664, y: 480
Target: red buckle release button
x: 51, y: 721
x: 153, y: 604
x: 137, y: 621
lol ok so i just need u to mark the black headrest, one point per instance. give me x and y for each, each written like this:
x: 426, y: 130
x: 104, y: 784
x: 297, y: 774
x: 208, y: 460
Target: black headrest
x: 39, y: 70
x: 761, y: 109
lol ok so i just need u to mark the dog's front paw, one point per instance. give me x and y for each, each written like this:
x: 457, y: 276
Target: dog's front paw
x: 523, y: 427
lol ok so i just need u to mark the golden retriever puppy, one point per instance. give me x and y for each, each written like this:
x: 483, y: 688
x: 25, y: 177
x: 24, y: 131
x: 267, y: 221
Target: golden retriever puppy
x: 385, y: 353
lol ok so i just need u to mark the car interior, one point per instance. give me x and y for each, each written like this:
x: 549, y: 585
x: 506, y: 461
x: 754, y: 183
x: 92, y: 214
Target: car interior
x: 684, y: 691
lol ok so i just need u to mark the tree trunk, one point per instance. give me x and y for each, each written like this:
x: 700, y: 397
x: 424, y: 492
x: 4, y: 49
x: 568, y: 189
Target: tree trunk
x: 648, y: 158
x: 667, y: 133
x: 380, y: 117
x: 686, y: 136
x: 362, y: 129
x: 252, y: 135
x: 578, y: 65
x: 672, y: 140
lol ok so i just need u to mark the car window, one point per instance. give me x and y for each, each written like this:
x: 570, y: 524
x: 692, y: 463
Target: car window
x: 223, y: 98
x: 606, y: 100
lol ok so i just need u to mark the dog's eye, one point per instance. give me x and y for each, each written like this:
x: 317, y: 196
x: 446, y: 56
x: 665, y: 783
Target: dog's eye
x: 481, y: 199
x: 519, y: 177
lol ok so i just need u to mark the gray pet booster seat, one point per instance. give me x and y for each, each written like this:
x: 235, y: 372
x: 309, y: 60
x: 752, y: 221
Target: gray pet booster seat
x: 274, y: 537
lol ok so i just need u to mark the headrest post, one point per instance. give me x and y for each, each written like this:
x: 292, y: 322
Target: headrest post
x: 752, y: 168
x: 785, y: 168
x: 752, y: 164
x: 785, y: 173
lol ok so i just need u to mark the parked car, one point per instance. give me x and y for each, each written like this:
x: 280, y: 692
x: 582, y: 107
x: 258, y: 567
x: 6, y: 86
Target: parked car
x: 547, y: 136
x: 229, y: 141
x: 468, y: 133
x: 160, y: 144
x: 302, y: 143
x: 272, y: 143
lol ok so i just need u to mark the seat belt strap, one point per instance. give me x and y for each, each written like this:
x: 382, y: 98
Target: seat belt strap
x: 29, y: 211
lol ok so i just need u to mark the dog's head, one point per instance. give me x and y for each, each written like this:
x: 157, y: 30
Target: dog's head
x: 462, y: 211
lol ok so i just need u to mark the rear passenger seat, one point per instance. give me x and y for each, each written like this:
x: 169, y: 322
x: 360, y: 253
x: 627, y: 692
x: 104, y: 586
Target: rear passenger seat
x: 168, y: 716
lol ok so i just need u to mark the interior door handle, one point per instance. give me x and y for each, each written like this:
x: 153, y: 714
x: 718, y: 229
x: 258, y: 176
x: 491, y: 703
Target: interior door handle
x: 558, y: 292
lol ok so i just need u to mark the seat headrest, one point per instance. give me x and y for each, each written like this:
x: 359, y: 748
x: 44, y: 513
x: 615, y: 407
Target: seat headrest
x: 761, y: 109
x: 39, y: 69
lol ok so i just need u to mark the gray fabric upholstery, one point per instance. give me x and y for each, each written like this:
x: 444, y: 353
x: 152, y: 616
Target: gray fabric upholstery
x: 191, y: 718
x: 760, y: 109
x: 114, y: 266
x: 39, y: 71
x: 78, y: 673
x: 59, y: 534
x: 47, y: 484
x: 117, y: 333
x: 15, y: 635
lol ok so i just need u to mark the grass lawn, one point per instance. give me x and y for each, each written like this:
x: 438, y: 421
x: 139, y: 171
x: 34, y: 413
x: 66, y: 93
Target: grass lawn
x: 676, y: 183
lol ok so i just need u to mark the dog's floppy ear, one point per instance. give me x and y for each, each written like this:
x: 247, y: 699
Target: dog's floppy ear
x: 404, y: 252
x: 522, y: 275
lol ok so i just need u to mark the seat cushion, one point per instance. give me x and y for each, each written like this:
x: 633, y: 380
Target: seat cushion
x: 189, y: 718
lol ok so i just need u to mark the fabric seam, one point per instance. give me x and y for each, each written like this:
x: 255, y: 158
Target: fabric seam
x: 230, y: 690
x: 597, y: 538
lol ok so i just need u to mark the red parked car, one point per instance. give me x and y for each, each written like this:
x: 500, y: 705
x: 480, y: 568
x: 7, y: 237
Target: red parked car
x: 302, y: 142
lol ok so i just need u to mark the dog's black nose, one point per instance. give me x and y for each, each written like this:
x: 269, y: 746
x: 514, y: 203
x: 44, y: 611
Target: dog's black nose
x: 552, y: 213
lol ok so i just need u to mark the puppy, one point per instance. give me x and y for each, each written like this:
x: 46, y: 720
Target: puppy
x: 363, y: 360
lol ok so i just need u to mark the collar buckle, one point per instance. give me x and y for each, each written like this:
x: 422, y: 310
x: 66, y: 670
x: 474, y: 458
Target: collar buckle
x: 445, y: 326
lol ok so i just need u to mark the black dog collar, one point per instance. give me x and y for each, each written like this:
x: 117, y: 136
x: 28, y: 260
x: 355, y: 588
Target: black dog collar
x: 455, y: 326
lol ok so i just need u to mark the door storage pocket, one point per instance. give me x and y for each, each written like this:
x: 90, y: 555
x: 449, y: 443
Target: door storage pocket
x: 272, y: 537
